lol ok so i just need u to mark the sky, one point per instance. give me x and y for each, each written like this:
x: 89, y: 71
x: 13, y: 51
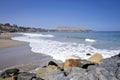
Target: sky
x: 98, y: 15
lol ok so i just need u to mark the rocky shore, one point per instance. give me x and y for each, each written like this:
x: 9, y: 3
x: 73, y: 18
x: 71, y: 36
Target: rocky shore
x: 71, y: 69
x: 94, y: 68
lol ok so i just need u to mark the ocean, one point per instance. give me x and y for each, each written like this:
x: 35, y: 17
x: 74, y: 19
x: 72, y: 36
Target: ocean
x: 65, y: 45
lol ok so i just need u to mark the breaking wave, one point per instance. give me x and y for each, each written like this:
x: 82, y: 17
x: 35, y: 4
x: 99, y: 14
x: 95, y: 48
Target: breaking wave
x: 62, y: 50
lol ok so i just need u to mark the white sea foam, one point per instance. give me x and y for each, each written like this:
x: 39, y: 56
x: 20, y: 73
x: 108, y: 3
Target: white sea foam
x: 63, y: 50
x: 36, y: 35
x: 90, y: 40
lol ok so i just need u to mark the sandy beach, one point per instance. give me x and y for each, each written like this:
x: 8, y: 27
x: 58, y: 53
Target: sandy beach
x: 19, y: 54
x: 5, y: 41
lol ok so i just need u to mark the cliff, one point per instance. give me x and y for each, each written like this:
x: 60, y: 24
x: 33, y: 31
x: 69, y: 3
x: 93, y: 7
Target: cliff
x: 66, y: 28
x: 14, y: 28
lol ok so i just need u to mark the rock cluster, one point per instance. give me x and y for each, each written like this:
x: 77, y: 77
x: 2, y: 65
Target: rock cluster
x: 77, y: 69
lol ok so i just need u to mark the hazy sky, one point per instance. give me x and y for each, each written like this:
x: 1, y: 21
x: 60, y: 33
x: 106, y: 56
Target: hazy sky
x: 92, y: 14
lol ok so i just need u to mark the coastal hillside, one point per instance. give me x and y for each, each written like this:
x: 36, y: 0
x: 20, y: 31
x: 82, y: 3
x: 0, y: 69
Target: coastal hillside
x: 14, y: 28
x: 67, y: 28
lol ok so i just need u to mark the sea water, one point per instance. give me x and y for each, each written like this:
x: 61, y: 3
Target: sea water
x: 65, y: 45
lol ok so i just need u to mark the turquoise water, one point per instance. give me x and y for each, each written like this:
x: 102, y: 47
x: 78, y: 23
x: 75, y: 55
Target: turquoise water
x: 104, y: 39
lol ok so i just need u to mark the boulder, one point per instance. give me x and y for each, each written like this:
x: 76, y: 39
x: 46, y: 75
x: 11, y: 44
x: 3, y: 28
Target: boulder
x: 77, y: 73
x: 97, y: 58
x: 74, y: 73
x: 9, y: 73
x: 85, y: 64
x: 110, y: 64
x: 103, y: 74
x: 91, y: 67
x: 51, y: 74
x: 71, y: 62
x: 67, y: 70
x: 26, y: 76
x: 91, y: 75
x: 52, y: 63
x: 118, y: 74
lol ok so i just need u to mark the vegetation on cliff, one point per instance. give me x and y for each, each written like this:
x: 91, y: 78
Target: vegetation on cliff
x: 14, y: 28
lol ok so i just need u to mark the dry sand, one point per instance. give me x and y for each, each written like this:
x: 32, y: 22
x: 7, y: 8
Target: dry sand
x: 5, y: 41
x: 14, y: 53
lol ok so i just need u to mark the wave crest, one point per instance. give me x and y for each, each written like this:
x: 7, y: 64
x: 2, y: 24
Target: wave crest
x: 63, y: 50
x: 90, y: 40
x: 37, y: 35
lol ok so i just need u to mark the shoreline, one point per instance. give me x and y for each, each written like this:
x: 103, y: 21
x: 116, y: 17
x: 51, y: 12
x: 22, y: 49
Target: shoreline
x: 5, y: 38
x: 18, y: 54
x: 42, y: 66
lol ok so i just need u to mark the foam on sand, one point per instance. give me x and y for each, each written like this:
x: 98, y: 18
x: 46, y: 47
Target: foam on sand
x: 62, y: 50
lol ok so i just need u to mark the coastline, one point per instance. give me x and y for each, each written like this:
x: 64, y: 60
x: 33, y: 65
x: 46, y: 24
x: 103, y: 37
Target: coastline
x: 43, y: 67
x: 5, y: 38
x: 18, y: 54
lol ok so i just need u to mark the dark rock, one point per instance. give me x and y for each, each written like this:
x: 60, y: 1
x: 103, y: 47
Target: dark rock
x: 26, y: 76
x: 88, y: 54
x: 9, y: 72
x: 52, y: 63
x: 116, y: 57
x: 119, y: 54
x: 84, y: 64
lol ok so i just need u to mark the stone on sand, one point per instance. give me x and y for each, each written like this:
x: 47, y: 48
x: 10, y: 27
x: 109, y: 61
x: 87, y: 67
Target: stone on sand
x: 71, y: 62
x: 97, y: 58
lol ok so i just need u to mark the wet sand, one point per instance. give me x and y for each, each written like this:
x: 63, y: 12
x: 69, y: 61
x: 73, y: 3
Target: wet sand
x: 22, y: 56
x: 19, y: 54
